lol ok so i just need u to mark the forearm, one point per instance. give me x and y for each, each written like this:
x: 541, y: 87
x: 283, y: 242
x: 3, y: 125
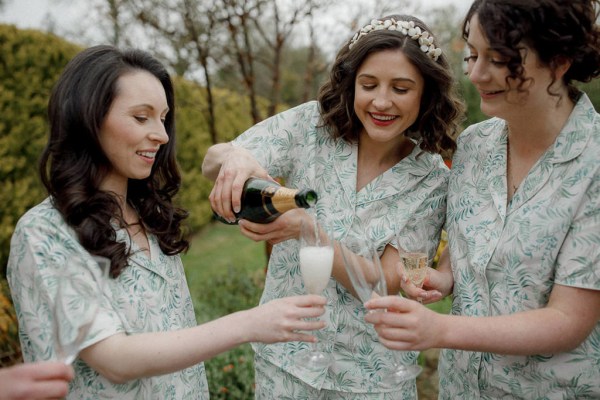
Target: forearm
x: 122, y: 358
x: 388, y: 260
x: 214, y: 158
x: 441, y: 279
x: 560, y: 326
x: 534, y: 332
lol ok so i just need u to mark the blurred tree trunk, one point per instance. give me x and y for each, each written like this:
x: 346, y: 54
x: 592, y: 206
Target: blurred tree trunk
x: 187, y: 29
x: 238, y: 16
x: 113, y: 14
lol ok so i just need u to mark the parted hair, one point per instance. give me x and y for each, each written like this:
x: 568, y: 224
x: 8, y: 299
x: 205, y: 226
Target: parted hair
x: 441, y: 110
x: 556, y: 30
x: 73, y: 164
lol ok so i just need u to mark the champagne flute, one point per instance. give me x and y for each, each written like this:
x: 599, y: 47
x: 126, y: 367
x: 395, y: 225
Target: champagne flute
x: 76, y: 302
x: 364, y: 269
x: 316, y: 262
x: 413, y: 249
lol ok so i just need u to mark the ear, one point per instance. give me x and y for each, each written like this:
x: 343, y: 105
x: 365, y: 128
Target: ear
x: 561, y: 66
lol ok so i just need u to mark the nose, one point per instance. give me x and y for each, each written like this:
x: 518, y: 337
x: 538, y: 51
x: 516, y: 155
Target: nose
x: 478, y: 71
x: 159, y: 134
x: 381, y: 101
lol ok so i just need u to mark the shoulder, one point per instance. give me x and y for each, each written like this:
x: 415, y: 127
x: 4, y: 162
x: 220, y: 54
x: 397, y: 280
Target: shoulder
x: 40, y: 233
x: 586, y: 118
x: 43, y: 214
x: 482, y: 130
x: 479, y: 139
x: 308, y: 110
x: 42, y: 225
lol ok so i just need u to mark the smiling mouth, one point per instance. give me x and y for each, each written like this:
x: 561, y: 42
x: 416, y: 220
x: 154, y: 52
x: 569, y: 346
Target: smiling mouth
x: 147, y: 154
x: 490, y: 92
x: 383, y: 118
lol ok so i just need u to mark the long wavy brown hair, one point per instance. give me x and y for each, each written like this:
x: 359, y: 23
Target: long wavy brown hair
x: 73, y: 165
x: 441, y: 110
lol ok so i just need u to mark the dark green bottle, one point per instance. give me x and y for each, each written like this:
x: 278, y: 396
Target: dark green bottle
x: 263, y: 201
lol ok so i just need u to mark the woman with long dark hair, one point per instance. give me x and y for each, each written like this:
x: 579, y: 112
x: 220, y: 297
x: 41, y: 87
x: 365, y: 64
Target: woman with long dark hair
x: 111, y: 175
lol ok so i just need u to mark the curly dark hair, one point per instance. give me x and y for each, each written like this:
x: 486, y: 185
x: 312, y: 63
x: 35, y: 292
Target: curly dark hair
x: 441, y: 110
x: 555, y: 29
x: 73, y: 165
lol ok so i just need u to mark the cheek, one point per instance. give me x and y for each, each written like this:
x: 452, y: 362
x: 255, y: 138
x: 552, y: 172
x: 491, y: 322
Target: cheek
x: 412, y: 104
x: 361, y: 101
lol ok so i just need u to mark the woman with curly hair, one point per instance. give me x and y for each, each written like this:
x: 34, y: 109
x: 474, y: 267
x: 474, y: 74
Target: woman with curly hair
x: 523, y: 216
x: 109, y: 168
x: 370, y: 146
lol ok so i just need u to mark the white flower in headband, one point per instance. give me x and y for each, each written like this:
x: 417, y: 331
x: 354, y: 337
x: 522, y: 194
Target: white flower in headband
x: 407, y: 28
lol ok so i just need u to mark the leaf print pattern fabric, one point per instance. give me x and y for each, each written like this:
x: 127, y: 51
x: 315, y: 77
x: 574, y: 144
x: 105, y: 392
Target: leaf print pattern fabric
x: 150, y: 295
x: 292, y: 146
x: 507, y: 257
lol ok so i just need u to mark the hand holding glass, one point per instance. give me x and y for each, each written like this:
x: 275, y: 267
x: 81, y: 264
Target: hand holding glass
x: 316, y: 262
x: 364, y: 269
x: 76, y: 303
x: 413, y: 248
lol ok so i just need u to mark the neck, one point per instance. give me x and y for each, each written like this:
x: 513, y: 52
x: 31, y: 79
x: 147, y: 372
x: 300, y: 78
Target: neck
x: 533, y: 132
x: 382, y: 155
x: 374, y: 158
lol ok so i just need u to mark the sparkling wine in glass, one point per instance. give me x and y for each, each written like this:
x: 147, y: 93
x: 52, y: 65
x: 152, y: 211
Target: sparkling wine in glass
x: 76, y: 302
x: 316, y: 262
x: 413, y: 248
x: 364, y: 269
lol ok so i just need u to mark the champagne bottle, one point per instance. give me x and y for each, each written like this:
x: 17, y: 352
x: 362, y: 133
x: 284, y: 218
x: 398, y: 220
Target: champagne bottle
x: 264, y: 200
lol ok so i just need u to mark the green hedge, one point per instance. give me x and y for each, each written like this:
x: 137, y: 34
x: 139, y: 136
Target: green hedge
x: 30, y: 63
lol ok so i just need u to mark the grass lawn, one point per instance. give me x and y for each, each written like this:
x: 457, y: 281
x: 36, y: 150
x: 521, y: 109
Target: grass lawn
x: 220, y: 246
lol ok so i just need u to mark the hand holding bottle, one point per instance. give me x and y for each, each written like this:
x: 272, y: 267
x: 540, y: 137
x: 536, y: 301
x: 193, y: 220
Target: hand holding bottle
x: 286, y: 227
x: 232, y: 168
x: 263, y: 201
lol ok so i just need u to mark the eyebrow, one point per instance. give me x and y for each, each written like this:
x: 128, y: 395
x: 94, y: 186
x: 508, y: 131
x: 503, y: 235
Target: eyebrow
x: 150, y: 106
x: 393, y: 80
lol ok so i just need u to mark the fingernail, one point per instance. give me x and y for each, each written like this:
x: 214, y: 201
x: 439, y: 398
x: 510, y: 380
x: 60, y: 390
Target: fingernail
x: 236, y: 209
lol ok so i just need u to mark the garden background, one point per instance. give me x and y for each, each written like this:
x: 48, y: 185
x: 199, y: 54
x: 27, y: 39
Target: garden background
x: 225, y: 270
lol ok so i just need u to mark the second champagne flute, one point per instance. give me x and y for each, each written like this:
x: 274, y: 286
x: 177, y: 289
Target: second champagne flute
x: 364, y: 269
x: 316, y: 262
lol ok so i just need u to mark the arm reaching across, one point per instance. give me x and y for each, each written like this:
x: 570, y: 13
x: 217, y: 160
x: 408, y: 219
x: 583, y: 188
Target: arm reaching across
x: 567, y: 320
x: 121, y: 358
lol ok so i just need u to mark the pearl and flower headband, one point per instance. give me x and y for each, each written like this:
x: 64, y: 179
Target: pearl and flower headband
x: 406, y: 28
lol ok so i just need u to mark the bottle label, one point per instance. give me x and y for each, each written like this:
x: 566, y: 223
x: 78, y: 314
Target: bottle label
x: 267, y: 194
x: 283, y: 199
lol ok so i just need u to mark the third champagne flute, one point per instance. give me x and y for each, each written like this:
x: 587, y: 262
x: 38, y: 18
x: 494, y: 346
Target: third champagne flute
x: 413, y: 248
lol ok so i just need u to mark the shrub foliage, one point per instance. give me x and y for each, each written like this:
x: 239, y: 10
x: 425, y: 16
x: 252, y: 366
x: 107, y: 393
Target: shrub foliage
x: 31, y: 62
